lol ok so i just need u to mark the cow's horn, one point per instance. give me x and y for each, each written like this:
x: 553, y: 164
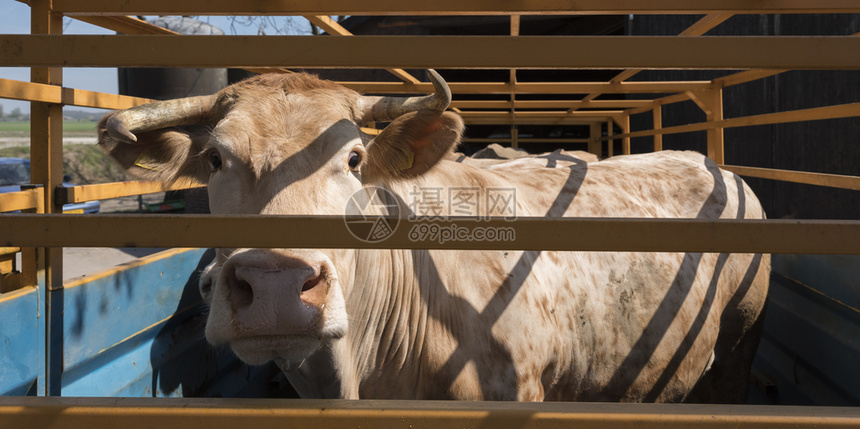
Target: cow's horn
x: 159, y: 114
x: 383, y: 109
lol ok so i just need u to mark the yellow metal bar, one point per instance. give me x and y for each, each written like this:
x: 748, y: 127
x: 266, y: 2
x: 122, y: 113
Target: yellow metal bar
x: 24, y: 200
x: 125, y: 24
x: 711, y: 102
x: 82, y: 98
x: 44, y: 265
x: 28, y: 91
x: 705, y: 24
x: 749, y: 75
x: 625, y: 129
x: 658, y: 124
x: 745, y: 76
x: 131, y: 25
x: 701, y: 27
x: 813, y: 114
x: 819, y: 179
x: 6, y: 251
x: 488, y: 119
x: 525, y: 140
x: 594, y: 145
x: 549, y: 104
x: 543, y: 114
x: 610, y: 129
x: 79, y: 194
x: 447, y: 7
x: 335, y: 29
x: 727, y: 52
x: 671, y: 99
x: 534, y: 87
x: 219, y: 413
x: 597, y: 234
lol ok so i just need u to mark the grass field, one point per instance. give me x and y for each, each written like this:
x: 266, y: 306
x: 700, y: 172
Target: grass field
x: 86, y: 163
x: 68, y: 126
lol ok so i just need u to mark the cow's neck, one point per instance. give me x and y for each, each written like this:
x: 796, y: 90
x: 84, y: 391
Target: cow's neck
x: 320, y: 378
x: 390, y: 305
x: 387, y: 317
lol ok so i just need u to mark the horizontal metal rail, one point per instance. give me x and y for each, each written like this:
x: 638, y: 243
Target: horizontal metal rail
x: 104, y: 191
x: 27, y: 91
x: 276, y: 413
x: 724, y: 52
x: 549, y: 104
x: 131, y: 25
x: 30, y: 199
x: 507, y: 88
x: 546, y: 117
x: 6, y: 251
x: 671, y: 99
x: 572, y: 234
x: 838, y: 111
x: 818, y: 179
x: 447, y: 7
x: 559, y: 140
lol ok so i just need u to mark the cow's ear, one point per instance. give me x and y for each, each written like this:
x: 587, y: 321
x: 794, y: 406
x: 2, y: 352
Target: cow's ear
x: 411, y: 145
x: 166, y: 155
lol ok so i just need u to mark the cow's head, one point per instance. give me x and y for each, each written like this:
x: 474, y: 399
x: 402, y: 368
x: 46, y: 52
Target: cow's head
x: 281, y: 144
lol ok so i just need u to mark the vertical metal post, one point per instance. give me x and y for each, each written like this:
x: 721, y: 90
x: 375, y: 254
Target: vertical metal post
x: 610, y: 127
x: 711, y: 102
x: 658, y: 125
x: 46, y: 157
x: 515, y: 133
x: 594, y: 134
x: 625, y: 129
x: 716, y: 148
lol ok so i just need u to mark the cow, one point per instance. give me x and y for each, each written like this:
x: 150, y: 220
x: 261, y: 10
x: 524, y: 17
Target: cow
x: 450, y: 324
x: 555, y: 159
x: 495, y: 154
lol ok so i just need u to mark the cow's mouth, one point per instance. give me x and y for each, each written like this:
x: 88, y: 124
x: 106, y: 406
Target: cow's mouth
x: 258, y: 350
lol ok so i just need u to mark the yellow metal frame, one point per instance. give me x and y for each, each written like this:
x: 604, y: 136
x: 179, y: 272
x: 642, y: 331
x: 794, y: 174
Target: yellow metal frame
x: 132, y: 413
x: 40, y: 236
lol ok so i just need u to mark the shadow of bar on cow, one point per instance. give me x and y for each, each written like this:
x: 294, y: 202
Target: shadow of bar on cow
x: 497, y: 367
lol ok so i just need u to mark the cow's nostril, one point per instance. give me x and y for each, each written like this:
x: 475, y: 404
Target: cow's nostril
x: 312, y: 283
x: 240, y: 293
x: 314, y: 295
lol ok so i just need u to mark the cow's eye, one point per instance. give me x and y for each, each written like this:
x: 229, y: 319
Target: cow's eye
x: 354, y: 159
x: 215, y: 160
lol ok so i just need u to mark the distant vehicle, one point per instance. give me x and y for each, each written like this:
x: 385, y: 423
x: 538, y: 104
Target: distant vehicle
x: 15, y: 172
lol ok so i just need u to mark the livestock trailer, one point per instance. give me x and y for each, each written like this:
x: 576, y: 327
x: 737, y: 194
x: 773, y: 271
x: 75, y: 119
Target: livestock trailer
x: 131, y: 333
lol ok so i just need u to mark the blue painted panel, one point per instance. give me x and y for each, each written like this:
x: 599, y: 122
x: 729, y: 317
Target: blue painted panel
x: 18, y: 341
x: 139, y: 332
x: 112, y: 309
x: 134, y: 331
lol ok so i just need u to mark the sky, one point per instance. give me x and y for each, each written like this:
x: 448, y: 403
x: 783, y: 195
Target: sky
x: 15, y: 19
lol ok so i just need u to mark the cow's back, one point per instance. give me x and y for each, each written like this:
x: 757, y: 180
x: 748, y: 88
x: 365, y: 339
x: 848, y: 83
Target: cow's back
x: 590, y: 325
